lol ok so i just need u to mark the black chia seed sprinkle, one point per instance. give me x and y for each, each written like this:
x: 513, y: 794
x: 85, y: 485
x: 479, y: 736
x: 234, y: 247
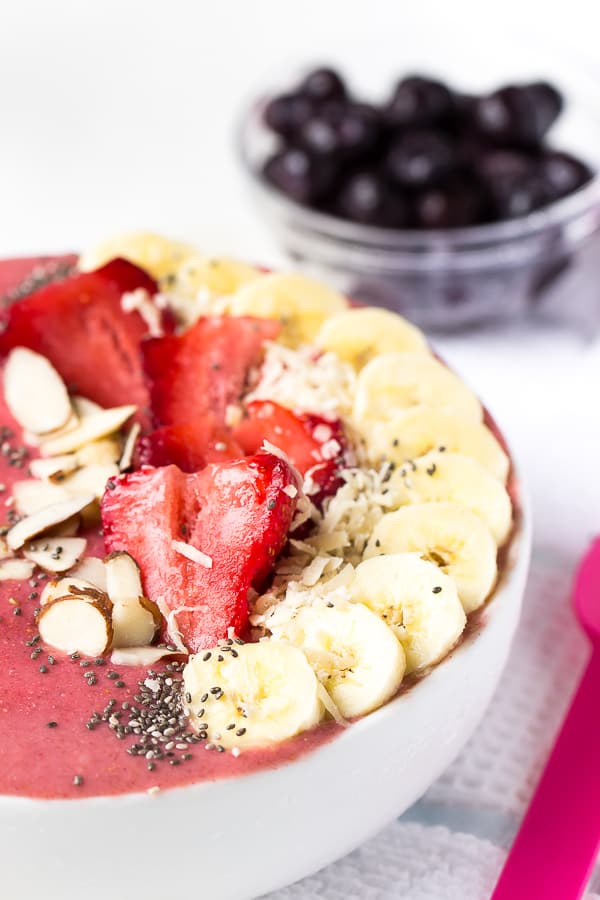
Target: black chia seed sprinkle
x: 271, y: 504
x: 437, y: 590
x: 52, y: 724
x: 43, y: 669
x: 78, y: 780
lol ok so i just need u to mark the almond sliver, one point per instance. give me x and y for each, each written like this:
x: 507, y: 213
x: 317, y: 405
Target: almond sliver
x: 34, y: 392
x: 90, y: 480
x: 44, y: 519
x: 91, y: 428
x: 68, y: 586
x: 55, y: 554
x: 16, y: 569
x: 55, y: 467
x: 140, y: 656
x: 135, y: 618
x: 31, y: 496
x: 91, y: 569
x: 74, y: 624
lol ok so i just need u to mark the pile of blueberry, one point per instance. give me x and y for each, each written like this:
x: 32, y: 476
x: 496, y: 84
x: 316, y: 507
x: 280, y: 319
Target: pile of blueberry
x: 430, y: 157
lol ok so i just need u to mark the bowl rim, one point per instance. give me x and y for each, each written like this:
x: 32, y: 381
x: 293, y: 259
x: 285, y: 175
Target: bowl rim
x: 584, y: 200
x: 516, y: 568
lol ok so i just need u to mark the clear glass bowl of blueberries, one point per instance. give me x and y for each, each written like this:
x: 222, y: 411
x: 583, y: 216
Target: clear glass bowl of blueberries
x: 451, y: 207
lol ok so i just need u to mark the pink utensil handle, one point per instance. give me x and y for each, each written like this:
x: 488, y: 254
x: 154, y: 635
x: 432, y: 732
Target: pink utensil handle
x: 555, y: 849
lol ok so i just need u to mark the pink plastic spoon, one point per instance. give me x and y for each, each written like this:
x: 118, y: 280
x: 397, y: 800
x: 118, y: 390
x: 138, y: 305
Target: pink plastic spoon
x: 555, y: 849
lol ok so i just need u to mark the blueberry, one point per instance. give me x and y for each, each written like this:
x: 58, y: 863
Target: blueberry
x: 323, y: 84
x: 359, y: 129
x: 419, y: 101
x: 298, y: 174
x: 517, y: 195
x: 320, y: 135
x: 492, y: 165
x: 420, y: 158
x: 453, y: 206
x: 562, y: 174
x: 517, y: 115
x: 365, y: 197
x: 286, y: 114
x: 348, y: 131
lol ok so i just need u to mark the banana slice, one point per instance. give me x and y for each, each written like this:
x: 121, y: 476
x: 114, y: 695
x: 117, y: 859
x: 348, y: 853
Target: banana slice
x: 219, y: 276
x: 459, y: 479
x: 301, y: 304
x: 395, y: 381
x: 156, y: 254
x: 417, y: 601
x: 415, y: 431
x: 252, y: 695
x: 447, y: 534
x: 357, y: 335
x: 354, y: 654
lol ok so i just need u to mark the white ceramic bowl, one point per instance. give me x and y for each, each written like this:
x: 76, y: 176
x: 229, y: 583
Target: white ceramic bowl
x: 239, y: 838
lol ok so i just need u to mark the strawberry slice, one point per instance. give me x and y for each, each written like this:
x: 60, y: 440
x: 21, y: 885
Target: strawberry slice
x: 20, y: 277
x: 78, y: 324
x: 311, y: 442
x: 205, y: 369
x: 189, y: 446
x: 237, y: 513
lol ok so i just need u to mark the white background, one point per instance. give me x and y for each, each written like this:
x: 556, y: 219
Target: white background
x: 119, y: 114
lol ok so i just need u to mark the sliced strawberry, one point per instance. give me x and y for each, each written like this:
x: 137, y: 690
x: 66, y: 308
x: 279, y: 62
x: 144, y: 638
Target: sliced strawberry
x: 20, y: 277
x: 310, y: 442
x: 190, y: 446
x: 203, y: 370
x: 79, y: 325
x: 237, y: 513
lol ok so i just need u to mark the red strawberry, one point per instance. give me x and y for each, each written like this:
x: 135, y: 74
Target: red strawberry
x: 203, y: 370
x: 237, y: 513
x: 308, y: 440
x: 190, y: 446
x: 19, y: 277
x: 79, y: 325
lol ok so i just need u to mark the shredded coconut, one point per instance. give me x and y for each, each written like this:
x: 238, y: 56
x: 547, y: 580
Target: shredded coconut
x: 192, y: 553
x: 141, y: 302
x: 305, y: 381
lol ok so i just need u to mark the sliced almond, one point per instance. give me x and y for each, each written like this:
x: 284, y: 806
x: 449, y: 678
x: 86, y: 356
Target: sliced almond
x: 91, y: 428
x: 4, y: 551
x: 55, y: 554
x: 84, y: 407
x: 91, y: 569
x: 55, y: 468
x: 140, y: 656
x: 16, y: 569
x: 38, y: 440
x: 136, y: 619
x: 129, y: 447
x: 76, y: 625
x: 105, y: 452
x: 68, y: 586
x: 31, y: 495
x: 90, y: 480
x: 44, y: 519
x: 34, y: 392
x: 70, y: 527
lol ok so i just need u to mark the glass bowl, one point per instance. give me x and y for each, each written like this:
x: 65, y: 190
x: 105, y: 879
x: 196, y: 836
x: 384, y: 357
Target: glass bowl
x: 443, y: 279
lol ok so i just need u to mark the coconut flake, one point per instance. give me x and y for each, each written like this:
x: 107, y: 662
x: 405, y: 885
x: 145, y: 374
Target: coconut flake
x: 192, y: 553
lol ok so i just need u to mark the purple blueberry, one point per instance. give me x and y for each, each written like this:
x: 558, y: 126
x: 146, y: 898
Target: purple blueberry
x: 418, y: 101
x: 348, y: 131
x: 562, y: 173
x: 366, y: 197
x: 286, y: 114
x: 517, y: 114
x: 323, y: 84
x: 420, y: 158
x: 298, y: 174
x: 456, y: 205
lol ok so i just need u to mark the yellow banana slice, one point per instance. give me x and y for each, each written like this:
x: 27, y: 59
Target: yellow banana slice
x: 301, y: 304
x: 263, y: 694
x: 418, y: 430
x: 447, y: 534
x: 459, y: 479
x: 395, y: 381
x: 418, y: 602
x: 354, y: 654
x: 358, y: 335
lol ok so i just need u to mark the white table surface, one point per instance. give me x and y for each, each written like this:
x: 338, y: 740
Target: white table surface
x: 117, y: 115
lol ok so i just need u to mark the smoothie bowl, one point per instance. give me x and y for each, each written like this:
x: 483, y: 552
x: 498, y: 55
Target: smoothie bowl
x: 262, y: 560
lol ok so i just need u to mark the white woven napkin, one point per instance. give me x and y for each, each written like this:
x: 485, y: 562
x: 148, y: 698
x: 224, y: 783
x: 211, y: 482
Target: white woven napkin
x: 451, y: 845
